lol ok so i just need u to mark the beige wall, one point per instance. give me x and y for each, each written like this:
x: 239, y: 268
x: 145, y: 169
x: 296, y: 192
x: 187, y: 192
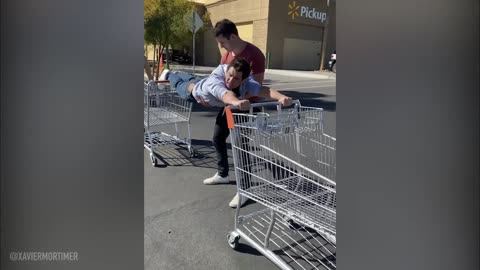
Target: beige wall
x: 332, y: 30
x: 245, y: 30
x: 241, y: 12
x: 270, y: 25
x: 211, y: 53
x: 149, y: 52
x: 282, y: 26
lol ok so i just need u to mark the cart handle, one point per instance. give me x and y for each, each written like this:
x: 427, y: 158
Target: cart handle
x: 266, y: 104
x: 229, y: 108
x: 156, y: 81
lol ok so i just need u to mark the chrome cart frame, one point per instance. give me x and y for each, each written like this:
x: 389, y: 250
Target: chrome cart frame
x: 163, y: 106
x: 284, y: 161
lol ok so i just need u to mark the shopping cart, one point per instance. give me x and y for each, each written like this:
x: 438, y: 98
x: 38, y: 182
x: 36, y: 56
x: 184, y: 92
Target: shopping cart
x: 284, y: 161
x: 162, y: 107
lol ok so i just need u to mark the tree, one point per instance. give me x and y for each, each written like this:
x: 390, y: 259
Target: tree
x: 153, y: 34
x: 163, y: 23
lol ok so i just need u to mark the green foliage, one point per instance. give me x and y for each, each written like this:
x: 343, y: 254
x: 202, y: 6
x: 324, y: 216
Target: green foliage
x: 164, y: 24
x: 153, y: 29
x: 164, y: 21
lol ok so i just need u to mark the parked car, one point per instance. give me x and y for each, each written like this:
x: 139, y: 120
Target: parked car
x: 164, y: 54
x: 177, y: 56
x: 181, y: 57
x: 332, y: 64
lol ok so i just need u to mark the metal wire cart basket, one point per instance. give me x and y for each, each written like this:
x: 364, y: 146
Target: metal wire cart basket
x: 162, y: 107
x: 284, y: 161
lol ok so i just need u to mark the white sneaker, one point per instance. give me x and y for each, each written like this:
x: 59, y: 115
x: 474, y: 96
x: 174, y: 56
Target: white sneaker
x: 216, y: 179
x: 163, y: 76
x: 234, y: 202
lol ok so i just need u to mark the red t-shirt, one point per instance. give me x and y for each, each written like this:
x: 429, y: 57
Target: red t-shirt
x: 254, y: 56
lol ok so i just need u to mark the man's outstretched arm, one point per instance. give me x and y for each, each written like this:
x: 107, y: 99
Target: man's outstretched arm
x: 266, y: 92
x: 229, y: 98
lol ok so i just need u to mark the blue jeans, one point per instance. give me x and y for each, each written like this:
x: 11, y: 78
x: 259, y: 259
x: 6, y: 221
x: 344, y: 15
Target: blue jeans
x: 181, y: 81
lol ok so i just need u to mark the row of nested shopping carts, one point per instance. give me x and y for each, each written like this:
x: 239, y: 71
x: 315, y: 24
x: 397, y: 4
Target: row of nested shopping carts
x: 283, y: 160
x: 162, y: 109
x: 286, y: 163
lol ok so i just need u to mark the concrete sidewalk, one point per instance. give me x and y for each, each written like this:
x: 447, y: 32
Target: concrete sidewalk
x: 303, y: 74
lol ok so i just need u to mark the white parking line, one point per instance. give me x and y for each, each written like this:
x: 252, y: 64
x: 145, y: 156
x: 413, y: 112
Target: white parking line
x: 301, y: 82
x: 294, y: 88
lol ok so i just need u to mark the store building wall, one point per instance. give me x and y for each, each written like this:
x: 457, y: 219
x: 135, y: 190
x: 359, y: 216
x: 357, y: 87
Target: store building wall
x: 290, y: 42
x: 251, y: 18
x: 294, y: 40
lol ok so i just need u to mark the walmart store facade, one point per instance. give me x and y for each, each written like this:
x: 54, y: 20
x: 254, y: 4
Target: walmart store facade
x: 290, y: 33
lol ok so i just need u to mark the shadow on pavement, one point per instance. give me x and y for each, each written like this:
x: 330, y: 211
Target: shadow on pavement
x: 306, y: 99
x: 268, y: 82
x: 312, y: 100
x: 178, y: 155
x: 243, y: 248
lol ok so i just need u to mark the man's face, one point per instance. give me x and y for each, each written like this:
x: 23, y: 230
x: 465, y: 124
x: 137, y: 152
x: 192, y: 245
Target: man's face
x: 233, y: 78
x: 226, y: 43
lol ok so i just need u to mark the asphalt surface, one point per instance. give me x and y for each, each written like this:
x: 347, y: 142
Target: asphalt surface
x: 186, y: 222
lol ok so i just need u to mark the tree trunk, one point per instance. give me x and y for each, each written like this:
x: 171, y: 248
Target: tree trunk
x: 324, y: 42
x: 167, y: 56
x: 154, y: 56
x: 160, y: 53
x: 324, y: 47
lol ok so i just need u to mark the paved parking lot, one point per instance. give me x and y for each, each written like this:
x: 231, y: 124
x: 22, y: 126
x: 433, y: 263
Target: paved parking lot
x: 186, y: 222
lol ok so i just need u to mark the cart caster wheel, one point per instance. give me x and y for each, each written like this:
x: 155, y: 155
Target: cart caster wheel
x: 292, y: 225
x: 233, y: 240
x: 192, y: 152
x: 154, y: 160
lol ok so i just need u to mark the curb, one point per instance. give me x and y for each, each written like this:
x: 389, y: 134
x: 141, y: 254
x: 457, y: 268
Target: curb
x: 199, y: 70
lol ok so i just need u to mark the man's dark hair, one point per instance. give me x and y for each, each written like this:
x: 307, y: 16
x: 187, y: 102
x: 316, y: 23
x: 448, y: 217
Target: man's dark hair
x: 225, y: 28
x: 240, y: 65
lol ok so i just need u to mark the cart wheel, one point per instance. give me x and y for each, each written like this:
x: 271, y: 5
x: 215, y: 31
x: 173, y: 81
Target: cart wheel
x: 154, y: 160
x: 292, y: 225
x: 233, y: 240
x: 191, y: 151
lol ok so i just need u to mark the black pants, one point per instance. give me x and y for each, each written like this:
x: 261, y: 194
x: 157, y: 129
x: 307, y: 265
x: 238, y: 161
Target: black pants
x: 220, y: 135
